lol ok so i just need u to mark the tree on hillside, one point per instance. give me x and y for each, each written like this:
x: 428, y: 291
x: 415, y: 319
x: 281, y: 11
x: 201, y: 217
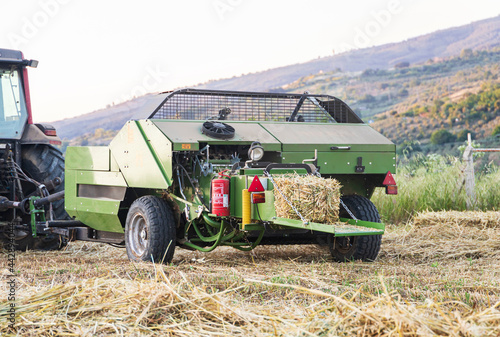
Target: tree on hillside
x: 442, y: 136
x: 368, y: 72
x: 403, y: 93
x: 466, y: 53
x: 367, y: 99
x: 496, y: 130
x: 403, y: 64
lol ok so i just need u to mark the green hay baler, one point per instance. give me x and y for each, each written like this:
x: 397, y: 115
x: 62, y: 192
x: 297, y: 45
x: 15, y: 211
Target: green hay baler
x: 198, y: 171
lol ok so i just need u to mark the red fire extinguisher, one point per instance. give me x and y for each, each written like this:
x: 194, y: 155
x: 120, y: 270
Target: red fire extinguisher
x: 220, y: 195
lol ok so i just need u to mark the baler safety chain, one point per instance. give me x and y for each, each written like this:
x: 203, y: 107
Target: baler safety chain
x: 304, y: 220
x: 348, y: 210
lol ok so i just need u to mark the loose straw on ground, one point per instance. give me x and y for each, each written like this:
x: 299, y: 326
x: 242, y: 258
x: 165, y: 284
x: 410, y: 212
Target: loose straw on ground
x: 93, y: 290
x: 438, y: 235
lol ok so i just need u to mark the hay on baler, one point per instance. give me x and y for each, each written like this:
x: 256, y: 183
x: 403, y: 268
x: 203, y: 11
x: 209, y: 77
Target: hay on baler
x: 317, y: 199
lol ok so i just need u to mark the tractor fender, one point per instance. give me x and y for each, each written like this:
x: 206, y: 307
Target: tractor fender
x: 40, y: 134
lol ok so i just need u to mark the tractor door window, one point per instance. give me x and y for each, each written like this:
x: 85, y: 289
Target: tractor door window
x: 13, y: 113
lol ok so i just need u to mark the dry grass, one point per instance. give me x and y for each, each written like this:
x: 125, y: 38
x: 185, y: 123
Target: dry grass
x: 426, y: 282
x: 438, y: 235
x: 480, y: 220
x: 317, y: 199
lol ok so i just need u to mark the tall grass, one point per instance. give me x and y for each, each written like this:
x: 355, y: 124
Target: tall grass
x: 435, y: 183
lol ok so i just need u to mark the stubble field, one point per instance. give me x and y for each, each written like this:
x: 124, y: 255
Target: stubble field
x: 437, y: 275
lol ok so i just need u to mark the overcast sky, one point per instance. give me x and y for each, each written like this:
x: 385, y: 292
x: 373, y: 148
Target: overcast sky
x: 93, y: 53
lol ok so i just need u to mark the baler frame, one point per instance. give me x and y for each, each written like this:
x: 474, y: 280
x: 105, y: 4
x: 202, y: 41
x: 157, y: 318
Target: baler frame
x: 167, y: 162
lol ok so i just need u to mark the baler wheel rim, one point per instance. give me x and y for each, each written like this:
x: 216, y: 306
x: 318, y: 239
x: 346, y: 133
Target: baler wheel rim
x: 139, y: 243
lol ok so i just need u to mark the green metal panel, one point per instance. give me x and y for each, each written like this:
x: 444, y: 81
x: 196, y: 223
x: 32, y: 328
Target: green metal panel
x: 308, y: 137
x: 326, y: 147
x: 345, y: 162
x: 113, y: 164
x: 99, y: 214
x: 87, y: 158
x: 161, y: 146
x: 266, y: 211
x: 259, y: 172
x: 100, y: 178
x: 186, y: 135
x: 70, y: 192
x: 96, y: 213
x: 239, y: 183
x: 254, y: 227
x: 353, y: 228
x: 370, y: 228
x: 138, y: 159
x: 236, y: 185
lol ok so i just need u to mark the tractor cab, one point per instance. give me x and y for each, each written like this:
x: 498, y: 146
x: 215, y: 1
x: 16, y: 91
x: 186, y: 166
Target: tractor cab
x: 16, y: 122
x: 13, y: 113
x: 14, y: 107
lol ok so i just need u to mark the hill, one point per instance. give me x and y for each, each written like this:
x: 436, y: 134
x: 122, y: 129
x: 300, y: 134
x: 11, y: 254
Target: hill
x: 373, y: 80
x: 426, y: 107
x: 390, y: 98
x: 444, y: 43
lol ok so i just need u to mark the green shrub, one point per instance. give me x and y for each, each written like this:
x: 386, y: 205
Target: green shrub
x: 496, y: 130
x: 442, y: 136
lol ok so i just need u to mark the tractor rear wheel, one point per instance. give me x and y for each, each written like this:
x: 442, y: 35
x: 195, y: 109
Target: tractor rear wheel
x: 150, y: 230
x: 364, y: 247
x: 43, y: 163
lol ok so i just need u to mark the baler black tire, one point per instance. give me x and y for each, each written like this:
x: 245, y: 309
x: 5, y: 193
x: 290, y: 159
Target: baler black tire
x: 150, y: 230
x: 42, y: 163
x: 365, y: 247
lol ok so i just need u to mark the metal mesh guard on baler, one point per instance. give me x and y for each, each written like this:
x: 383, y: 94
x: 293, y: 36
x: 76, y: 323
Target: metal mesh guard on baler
x: 192, y: 104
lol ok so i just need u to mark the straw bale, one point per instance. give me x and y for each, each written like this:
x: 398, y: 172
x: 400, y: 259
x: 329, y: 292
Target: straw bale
x: 470, y: 218
x: 317, y: 199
